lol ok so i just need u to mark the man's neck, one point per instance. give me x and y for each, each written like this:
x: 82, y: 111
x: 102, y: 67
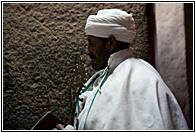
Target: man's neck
x: 118, y: 57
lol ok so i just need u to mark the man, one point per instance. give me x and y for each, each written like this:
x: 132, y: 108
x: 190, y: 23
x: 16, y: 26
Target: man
x: 126, y: 93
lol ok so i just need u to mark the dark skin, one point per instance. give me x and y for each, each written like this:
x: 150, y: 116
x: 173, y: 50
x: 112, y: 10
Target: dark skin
x: 99, y: 50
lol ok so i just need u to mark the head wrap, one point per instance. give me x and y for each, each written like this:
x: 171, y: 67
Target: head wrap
x: 114, y: 22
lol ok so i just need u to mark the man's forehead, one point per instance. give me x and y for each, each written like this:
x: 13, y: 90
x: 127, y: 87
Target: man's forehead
x: 91, y: 38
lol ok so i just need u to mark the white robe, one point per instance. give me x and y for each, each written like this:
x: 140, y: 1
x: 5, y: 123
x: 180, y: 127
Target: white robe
x: 133, y: 97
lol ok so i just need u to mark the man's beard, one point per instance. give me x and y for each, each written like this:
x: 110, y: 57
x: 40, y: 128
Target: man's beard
x: 92, y: 56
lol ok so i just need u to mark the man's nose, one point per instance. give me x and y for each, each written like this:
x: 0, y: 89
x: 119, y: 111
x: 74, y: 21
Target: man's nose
x: 88, y: 51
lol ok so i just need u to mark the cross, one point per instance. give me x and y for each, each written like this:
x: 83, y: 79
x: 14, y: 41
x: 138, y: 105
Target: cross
x: 48, y: 105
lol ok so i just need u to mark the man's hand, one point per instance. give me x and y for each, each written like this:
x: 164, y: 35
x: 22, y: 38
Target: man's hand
x: 59, y: 127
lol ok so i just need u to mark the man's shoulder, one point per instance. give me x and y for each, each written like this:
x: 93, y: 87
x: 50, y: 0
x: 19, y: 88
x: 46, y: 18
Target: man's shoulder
x: 138, y: 68
x: 135, y: 63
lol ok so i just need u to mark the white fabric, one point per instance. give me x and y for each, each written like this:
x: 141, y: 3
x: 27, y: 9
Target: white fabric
x: 69, y: 127
x: 114, y: 22
x: 134, y: 97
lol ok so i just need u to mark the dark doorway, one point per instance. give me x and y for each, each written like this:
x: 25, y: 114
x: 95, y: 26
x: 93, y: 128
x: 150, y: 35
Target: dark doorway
x: 188, y: 12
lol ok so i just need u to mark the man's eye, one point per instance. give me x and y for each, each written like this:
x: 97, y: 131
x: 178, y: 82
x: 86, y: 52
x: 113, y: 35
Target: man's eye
x: 90, y: 44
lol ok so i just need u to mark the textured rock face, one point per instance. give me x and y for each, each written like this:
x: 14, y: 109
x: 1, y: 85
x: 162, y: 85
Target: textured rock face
x: 171, y: 52
x: 43, y: 56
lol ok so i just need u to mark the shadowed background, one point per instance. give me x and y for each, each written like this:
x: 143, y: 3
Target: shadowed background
x: 44, y: 58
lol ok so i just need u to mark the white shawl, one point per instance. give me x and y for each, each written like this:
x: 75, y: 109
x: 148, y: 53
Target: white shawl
x: 134, y: 97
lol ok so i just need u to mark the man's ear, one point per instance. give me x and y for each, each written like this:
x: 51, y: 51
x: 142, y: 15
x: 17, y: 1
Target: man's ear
x: 112, y: 42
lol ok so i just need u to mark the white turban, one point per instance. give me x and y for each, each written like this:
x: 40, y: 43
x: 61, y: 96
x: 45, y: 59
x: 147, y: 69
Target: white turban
x: 114, y: 22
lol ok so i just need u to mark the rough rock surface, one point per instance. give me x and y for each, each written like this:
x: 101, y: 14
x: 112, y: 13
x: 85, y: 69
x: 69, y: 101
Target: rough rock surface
x: 171, y: 52
x: 43, y: 56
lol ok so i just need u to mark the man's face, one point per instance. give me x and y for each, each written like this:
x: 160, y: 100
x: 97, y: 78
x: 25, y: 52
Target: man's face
x: 98, y: 51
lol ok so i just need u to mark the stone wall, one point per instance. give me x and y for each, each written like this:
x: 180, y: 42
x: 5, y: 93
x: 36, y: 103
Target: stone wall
x: 171, y: 52
x: 43, y: 56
